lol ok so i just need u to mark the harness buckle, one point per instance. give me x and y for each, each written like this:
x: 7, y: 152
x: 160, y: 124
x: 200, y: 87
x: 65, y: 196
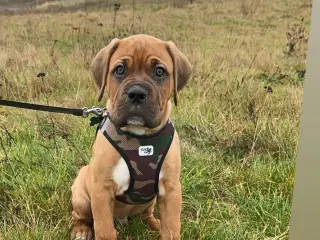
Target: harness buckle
x: 95, y: 110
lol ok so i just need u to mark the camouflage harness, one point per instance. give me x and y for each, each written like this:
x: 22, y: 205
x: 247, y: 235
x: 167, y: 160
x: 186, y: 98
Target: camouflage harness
x: 144, y: 155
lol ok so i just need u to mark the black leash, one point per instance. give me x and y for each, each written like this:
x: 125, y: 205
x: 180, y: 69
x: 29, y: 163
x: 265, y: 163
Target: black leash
x: 84, y: 112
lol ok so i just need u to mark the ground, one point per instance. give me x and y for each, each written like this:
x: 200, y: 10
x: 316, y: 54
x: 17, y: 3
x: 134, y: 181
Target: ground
x: 238, y: 118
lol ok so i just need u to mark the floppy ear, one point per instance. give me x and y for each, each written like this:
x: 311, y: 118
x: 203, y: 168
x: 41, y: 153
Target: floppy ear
x: 181, y: 69
x: 100, y: 65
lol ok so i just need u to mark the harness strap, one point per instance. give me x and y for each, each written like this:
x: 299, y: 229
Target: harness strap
x: 144, y: 155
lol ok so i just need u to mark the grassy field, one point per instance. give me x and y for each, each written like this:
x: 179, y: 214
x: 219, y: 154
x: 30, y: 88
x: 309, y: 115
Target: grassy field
x: 238, y: 118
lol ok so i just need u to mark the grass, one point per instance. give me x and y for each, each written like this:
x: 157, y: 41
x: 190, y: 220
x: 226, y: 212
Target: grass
x: 239, y: 141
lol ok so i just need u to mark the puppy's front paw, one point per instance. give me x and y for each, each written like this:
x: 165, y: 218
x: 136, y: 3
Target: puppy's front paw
x: 152, y: 223
x: 81, y: 232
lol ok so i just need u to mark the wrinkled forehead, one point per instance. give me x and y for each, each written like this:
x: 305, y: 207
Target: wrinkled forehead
x: 139, y: 50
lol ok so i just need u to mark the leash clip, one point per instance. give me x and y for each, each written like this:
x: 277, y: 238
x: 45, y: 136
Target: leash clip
x: 95, y: 110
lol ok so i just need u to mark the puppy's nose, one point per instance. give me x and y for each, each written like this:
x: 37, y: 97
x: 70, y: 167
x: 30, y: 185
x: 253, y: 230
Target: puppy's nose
x: 137, y: 94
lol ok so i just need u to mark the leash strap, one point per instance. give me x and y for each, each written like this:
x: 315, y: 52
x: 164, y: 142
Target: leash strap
x: 84, y: 112
x: 73, y: 111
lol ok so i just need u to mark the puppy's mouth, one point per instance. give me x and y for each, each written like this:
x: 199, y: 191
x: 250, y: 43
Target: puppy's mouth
x: 128, y: 118
x: 136, y: 120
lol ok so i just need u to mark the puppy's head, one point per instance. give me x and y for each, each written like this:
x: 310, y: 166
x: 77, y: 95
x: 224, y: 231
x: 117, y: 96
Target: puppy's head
x: 140, y: 73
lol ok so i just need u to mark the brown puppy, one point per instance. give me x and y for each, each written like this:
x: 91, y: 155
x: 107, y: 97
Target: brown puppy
x: 139, y: 73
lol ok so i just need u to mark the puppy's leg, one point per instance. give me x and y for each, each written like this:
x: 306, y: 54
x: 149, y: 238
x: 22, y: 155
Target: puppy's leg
x: 81, y: 209
x: 102, y: 203
x: 169, y: 207
x: 148, y: 219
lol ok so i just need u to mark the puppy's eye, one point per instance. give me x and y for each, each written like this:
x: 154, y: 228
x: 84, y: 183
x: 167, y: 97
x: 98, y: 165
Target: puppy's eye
x: 119, y: 70
x: 159, y: 72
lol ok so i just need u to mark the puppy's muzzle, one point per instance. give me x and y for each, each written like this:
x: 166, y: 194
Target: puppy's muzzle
x: 137, y: 94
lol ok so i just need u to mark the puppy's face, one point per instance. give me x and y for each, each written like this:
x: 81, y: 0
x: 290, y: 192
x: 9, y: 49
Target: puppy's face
x: 139, y: 82
x: 140, y: 73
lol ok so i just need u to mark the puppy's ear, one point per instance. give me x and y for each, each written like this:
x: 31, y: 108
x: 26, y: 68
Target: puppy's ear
x: 100, y: 65
x: 181, y: 69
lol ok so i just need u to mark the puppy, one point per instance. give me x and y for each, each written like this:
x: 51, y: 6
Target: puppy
x: 136, y: 159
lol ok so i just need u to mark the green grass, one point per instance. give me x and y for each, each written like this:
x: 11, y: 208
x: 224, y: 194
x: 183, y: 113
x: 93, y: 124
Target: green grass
x: 238, y: 141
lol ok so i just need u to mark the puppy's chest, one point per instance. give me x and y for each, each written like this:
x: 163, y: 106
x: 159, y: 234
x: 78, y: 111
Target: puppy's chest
x: 121, y: 176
